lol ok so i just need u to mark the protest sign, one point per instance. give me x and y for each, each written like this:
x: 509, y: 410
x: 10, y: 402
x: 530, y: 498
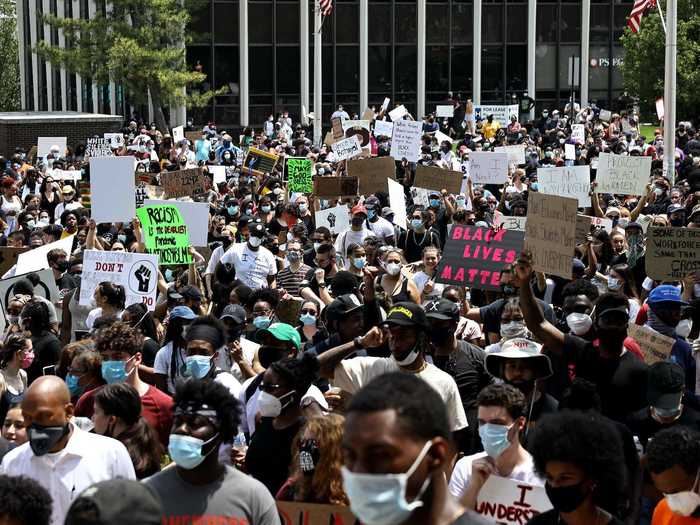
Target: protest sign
x: 373, y: 173
x: 438, y: 179
x: 660, y: 108
x: 46, y: 288
x: 65, y: 174
x: 397, y: 201
x: 441, y: 137
x: 568, y: 181
x: 259, y: 162
x: 112, y: 189
x: 420, y: 196
x: 178, y: 134
x: 672, y: 253
x: 405, y: 140
x: 350, y: 124
x: 347, y: 148
x: 8, y: 257
x: 397, y: 113
x: 569, y: 152
x: 337, y: 128
x: 385, y: 104
x: 500, y: 113
x: 165, y: 234
x: 336, y: 219
x: 35, y: 259
x: 44, y: 144
x: 655, y: 347
x: 511, y: 502
x: 475, y: 256
x: 605, y: 114
x: 509, y: 222
x: 98, y: 147
x: 622, y: 175
x: 293, y: 513
x: 136, y: 272
x: 488, y: 168
x: 116, y: 140
x: 195, y: 215
x: 383, y: 128
x: 218, y: 174
x: 184, y: 183
x: 367, y: 114
x: 550, y: 233
x: 335, y: 186
x: 300, y: 175
x: 445, y: 111
x: 516, y: 153
x: 578, y: 133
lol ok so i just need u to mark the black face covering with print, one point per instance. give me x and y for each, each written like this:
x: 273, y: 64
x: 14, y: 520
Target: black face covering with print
x: 309, y: 453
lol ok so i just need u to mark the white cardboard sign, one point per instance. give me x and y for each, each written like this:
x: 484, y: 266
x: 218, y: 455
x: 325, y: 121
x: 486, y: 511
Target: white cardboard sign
x: 568, y: 181
x: 383, y: 128
x: 445, y: 111
x: 488, y: 168
x: 397, y: 113
x: 194, y: 214
x: 35, y: 259
x: 46, y: 288
x: 218, y: 174
x: 178, y: 134
x: 622, y: 175
x: 570, y: 151
x: 349, y: 124
x: 516, y: 153
x: 112, y: 188
x: 509, y: 222
x: 336, y: 219
x: 65, y: 174
x: 405, y: 140
x: 578, y: 133
x: 115, y: 139
x: 441, y: 137
x: 397, y: 203
x: 136, y: 272
x: 500, y: 113
x: 44, y: 144
x: 347, y: 148
x: 511, y: 502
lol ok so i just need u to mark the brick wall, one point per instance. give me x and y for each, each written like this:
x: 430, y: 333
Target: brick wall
x: 25, y: 134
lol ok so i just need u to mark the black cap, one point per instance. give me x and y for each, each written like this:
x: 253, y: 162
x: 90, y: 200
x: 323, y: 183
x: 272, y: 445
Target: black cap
x: 443, y: 309
x: 257, y: 230
x: 666, y: 385
x: 119, y: 501
x: 407, y: 314
x: 191, y: 292
x: 235, y: 312
x: 343, y: 305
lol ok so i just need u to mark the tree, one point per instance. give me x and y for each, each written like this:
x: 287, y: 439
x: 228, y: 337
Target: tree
x: 644, y: 65
x: 9, y: 72
x: 140, y: 45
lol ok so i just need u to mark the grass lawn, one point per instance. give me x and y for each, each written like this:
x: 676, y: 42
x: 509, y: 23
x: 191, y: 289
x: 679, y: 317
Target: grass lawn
x: 647, y: 131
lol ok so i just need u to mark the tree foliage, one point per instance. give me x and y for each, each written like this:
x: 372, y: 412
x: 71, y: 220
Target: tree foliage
x: 644, y: 65
x: 137, y: 44
x: 9, y: 58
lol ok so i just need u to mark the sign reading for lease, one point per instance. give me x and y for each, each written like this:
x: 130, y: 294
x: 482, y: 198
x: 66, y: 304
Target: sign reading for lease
x: 475, y: 256
x: 622, y: 175
x: 300, y: 175
x: 165, y: 234
x: 672, y: 253
x: 136, y: 272
x: 510, y: 501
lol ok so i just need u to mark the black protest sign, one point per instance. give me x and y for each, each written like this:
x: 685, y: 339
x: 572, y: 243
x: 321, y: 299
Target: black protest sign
x: 474, y: 256
x: 335, y: 186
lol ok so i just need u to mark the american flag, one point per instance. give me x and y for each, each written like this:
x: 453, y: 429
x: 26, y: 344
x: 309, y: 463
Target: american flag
x: 639, y: 8
x: 326, y: 7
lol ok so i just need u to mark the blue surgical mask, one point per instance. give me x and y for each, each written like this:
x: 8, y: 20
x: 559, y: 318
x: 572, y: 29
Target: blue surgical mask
x: 121, y: 238
x: 460, y: 203
x: 232, y: 210
x: 307, y: 319
x: 73, y: 386
x: 535, y: 186
x: 168, y: 274
x: 303, y: 207
x: 265, y: 209
x: 359, y: 263
x: 186, y: 451
x: 434, y: 203
x: 416, y: 224
x: 261, y: 322
x: 380, y: 499
x: 494, y: 438
x: 115, y: 371
x: 197, y: 366
x: 613, y: 284
x: 371, y: 214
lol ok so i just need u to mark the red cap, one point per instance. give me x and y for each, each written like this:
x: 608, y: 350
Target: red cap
x: 359, y: 208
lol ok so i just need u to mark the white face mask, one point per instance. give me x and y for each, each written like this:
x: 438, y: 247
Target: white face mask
x: 380, y: 499
x: 686, y: 502
x: 271, y: 406
x: 254, y: 241
x: 393, y: 268
x: 684, y: 327
x: 579, y: 324
x: 513, y: 329
x: 613, y: 284
x: 409, y: 359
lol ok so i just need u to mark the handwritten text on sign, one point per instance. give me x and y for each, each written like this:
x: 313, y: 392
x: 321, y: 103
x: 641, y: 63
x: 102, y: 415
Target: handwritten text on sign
x: 405, y: 140
x: 551, y: 233
x: 569, y: 181
x: 655, y: 346
x: 165, y: 234
x: 488, y: 168
x: 300, y: 175
x: 347, y: 148
x: 475, y: 256
x: 672, y: 253
x: 511, y: 502
x: 623, y: 175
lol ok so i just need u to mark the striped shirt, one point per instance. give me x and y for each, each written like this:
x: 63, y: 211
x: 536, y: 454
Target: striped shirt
x: 290, y: 280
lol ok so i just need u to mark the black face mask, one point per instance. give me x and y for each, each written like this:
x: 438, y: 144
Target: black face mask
x: 42, y: 439
x: 269, y: 354
x: 566, y: 499
x: 309, y: 454
x: 508, y: 290
x: 440, y: 337
x: 357, y: 221
x: 677, y: 222
x: 226, y: 242
x: 61, y: 266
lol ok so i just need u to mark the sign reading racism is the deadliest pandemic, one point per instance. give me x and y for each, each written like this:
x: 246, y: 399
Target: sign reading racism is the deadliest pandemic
x: 475, y: 256
x: 165, y: 234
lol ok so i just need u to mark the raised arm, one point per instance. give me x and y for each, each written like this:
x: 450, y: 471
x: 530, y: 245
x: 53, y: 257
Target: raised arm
x: 329, y: 359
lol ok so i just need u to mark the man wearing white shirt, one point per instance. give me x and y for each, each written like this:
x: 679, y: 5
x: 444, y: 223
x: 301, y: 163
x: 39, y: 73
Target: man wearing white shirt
x: 59, y: 456
x: 69, y: 202
x: 255, y: 265
x: 355, y: 235
x: 381, y: 227
x: 340, y: 113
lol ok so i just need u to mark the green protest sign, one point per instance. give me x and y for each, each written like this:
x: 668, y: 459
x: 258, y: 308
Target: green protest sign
x: 300, y: 175
x: 165, y: 234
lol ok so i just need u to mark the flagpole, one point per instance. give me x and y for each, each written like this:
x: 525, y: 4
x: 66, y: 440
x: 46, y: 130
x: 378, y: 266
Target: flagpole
x: 661, y: 13
x: 670, y: 92
x: 318, y: 73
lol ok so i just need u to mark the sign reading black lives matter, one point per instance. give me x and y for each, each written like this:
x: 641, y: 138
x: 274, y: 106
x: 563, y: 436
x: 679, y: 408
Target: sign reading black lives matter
x: 474, y: 256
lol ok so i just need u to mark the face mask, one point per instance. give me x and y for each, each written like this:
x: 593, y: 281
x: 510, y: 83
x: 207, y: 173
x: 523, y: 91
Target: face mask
x: 686, y: 502
x: 684, y: 327
x: 357, y: 221
x: 534, y: 186
x: 254, y: 241
x: 613, y: 284
x: 13, y: 319
x: 658, y: 192
x: 293, y: 257
x: 197, y: 366
x: 317, y: 245
x: 417, y: 224
x: 115, y: 371
x: 623, y: 222
x: 371, y: 214
x: 380, y: 499
x: 168, y: 274
x: 513, y: 329
x: 460, y: 203
x: 677, y: 222
x: 303, y: 207
x: 186, y: 451
x: 494, y: 438
x: 434, y: 203
x: 359, y: 263
x: 42, y: 439
x: 307, y: 319
x: 265, y: 209
x: 393, y: 268
x: 566, y: 499
x: 508, y: 290
x: 261, y: 322
x: 579, y: 324
x: 30, y: 224
x: 271, y: 406
x: 73, y: 386
x: 232, y: 210
x: 27, y: 360
x: 409, y: 359
x: 309, y: 453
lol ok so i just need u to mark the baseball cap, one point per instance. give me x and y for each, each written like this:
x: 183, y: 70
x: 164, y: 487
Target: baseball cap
x: 235, y: 312
x: 118, y: 501
x: 634, y: 224
x: 407, y: 314
x: 673, y: 208
x: 443, y: 310
x: 191, y: 292
x: 342, y: 305
x: 283, y: 332
x: 612, y: 211
x: 665, y: 293
x: 371, y: 201
x: 696, y: 211
x: 256, y: 230
x: 519, y: 348
x: 388, y: 212
x: 173, y: 294
x: 182, y: 311
x: 359, y: 208
x: 665, y: 385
